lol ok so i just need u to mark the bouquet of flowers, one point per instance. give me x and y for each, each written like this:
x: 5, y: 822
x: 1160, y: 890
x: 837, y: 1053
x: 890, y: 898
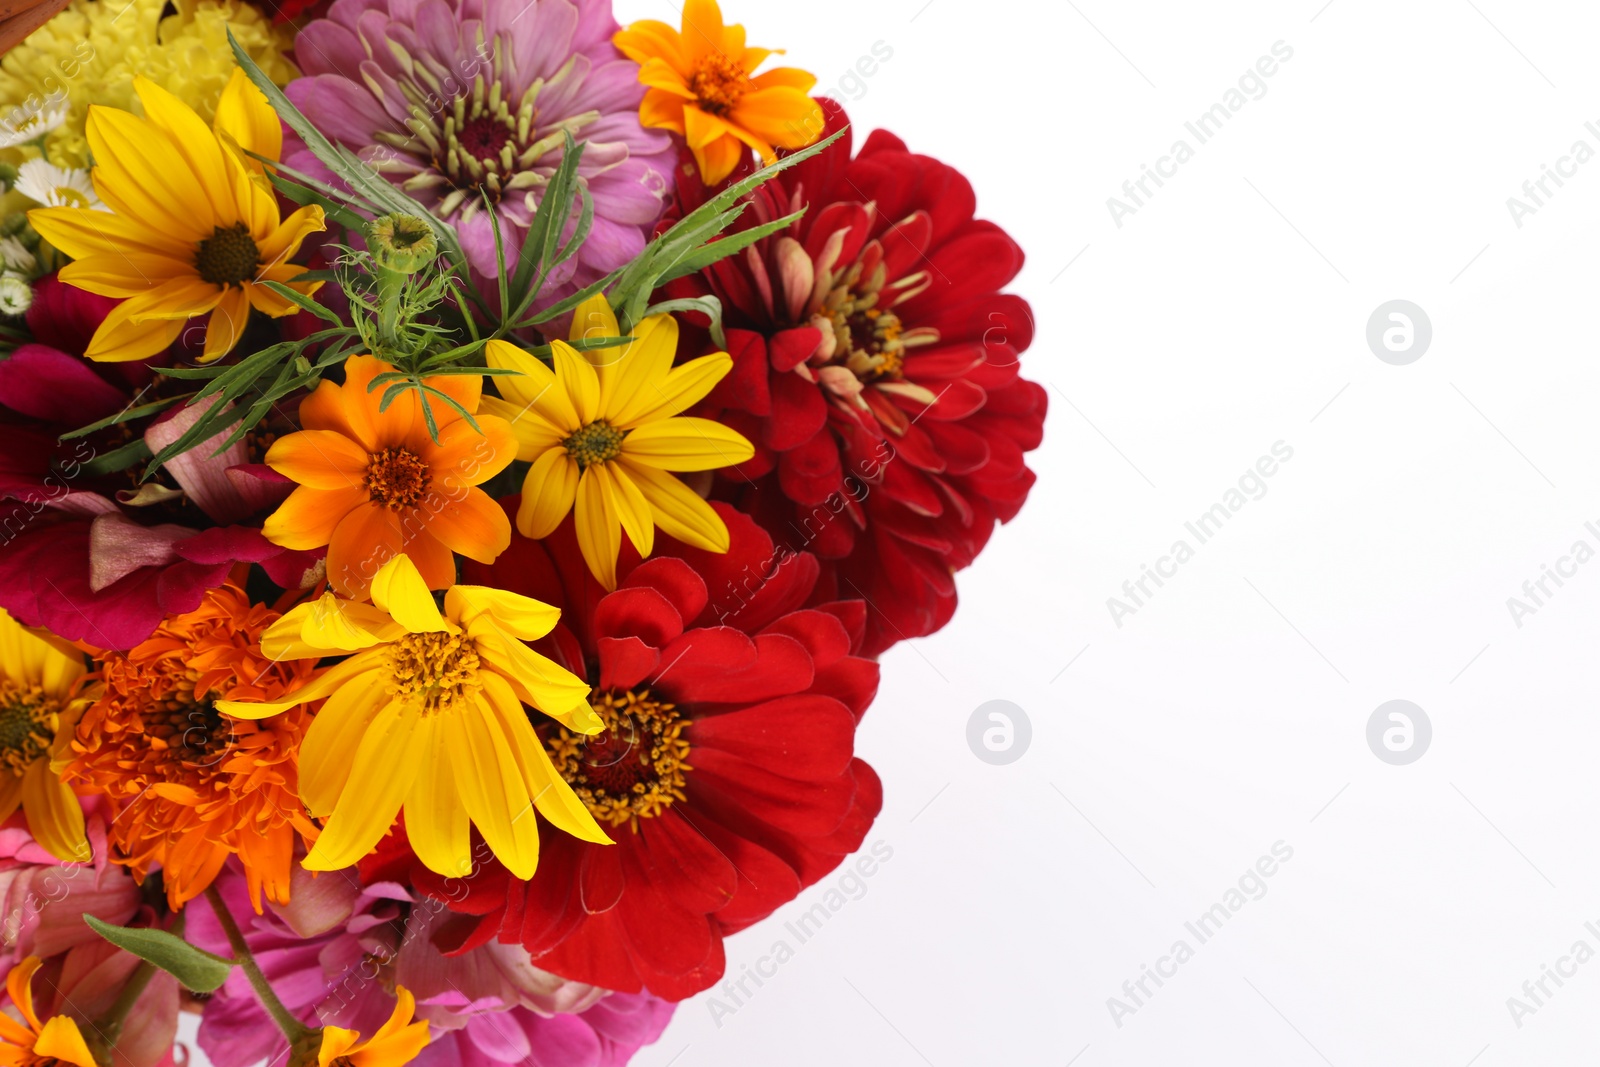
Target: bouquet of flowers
x: 462, y: 462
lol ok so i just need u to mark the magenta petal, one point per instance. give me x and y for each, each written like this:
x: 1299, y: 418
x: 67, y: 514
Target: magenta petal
x: 118, y: 546
x: 226, y: 545
x: 48, y: 384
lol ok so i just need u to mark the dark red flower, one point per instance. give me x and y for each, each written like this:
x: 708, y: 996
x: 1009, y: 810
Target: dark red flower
x: 726, y: 775
x: 876, y: 368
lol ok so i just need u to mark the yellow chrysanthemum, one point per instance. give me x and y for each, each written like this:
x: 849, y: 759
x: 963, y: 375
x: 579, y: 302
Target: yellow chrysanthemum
x: 91, y: 52
x: 194, y: 226
x: 427, y: 715
x: 704, y: 86
x: 397, y: 1042
x: 603, y: 432
x: 39, y: 681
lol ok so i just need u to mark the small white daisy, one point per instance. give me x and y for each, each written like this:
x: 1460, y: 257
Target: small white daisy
x: 15, y: 256
x: 54, y: 186
x: 16, y: 295
x: 22, y: 126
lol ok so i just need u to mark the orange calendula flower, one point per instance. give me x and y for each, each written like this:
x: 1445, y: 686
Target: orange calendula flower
x: 193, y: 226
x: 375, y: 484
x: 31, y: 1043
x: 703, y: 85
x: 195, y: 784
x: 397, y: 1042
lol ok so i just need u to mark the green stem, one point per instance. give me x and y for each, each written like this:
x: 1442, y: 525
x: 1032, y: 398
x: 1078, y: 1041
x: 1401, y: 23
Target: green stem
x: 391, y: 283
x: 292, y: 1028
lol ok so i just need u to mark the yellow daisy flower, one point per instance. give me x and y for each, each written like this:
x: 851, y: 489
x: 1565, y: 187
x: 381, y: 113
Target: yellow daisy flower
x: 39, y: 678
x: 603, y: 432
x: 427, y: 715
x: 193, y: 227
x: 397, y: 1042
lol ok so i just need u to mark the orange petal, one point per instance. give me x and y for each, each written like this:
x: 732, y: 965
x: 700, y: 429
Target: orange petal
x: 309, y: 518
x: 465, y: 457
x: 473, y: 526
x: 433, y: 559
x: 322, y: 459
x: 364, y: 540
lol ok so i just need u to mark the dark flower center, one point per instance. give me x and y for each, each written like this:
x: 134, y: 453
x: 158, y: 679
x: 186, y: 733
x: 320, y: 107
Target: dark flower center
x: 718, y: 84
x: 598, y: 442
x: 28, y: 721
x: 633, y: 769
x: 397, y: 477
x: 194, y: 731
x: 483, y: 138
x: 229, y: 256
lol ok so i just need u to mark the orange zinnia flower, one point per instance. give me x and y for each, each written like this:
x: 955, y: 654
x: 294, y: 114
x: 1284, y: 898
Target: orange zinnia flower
x: 375, y: 484
x: 196, y: 785
x: 703, y: 85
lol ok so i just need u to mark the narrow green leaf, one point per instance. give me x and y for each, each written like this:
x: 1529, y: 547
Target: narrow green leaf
x: 195, y: 969
x: 300, y: 300
x: 118, y: 459
x: 125, y: 415
x: 708, y: 306
x: 712, y: 251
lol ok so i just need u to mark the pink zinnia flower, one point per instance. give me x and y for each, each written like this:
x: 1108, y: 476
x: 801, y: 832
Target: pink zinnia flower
x: 458, y: 100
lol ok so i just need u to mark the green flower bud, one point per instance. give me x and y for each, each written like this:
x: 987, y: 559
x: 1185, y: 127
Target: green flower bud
x: 401, y: 243
x: 8, y: 175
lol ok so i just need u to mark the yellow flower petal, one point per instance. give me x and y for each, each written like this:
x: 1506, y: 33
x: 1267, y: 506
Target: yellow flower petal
x: 577, y: 377
x: 599, y: 530
x: 548, y: 491
x: 227, y: 323
x: 551, y: 794
x: 196, y: 146
x: 535, y: 387
x: 491, y: 786
x: 678, y: 510
x: 387, y: 763
x: 62, y: 1040
x: 630, y: 507
x: 335, y: 735
x: 686, y: 444
x: 436, y: 826
x: 399, y: 589
x: 244, y: 115
x: 55, y: 818
x: 520, y: 616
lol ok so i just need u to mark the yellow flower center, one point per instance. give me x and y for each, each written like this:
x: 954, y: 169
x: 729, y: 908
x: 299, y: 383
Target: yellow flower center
x: 867, y: 338
x: 28, y: 722
x: 229, y: 256
x: 397, y: 477
x: 598, y: 442
x: 718, y: 84
x: 631, y: 770
x: 439, y: 671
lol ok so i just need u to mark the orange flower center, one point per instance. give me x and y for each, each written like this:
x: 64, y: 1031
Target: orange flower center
x: 631, y: 770
x: 397, y: 477
x: 718, y: 84
x: 28, y: 721
x: 437, y: 670
x: 229, y: 256
x: 598, y: 442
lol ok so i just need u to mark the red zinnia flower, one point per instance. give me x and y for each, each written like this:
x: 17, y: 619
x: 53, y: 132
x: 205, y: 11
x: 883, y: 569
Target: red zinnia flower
x: 875, y: 367
x: 726, y: 775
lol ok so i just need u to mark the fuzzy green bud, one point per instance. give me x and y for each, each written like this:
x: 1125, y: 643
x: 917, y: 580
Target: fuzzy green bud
x: 402, y: 243
x: 8, y: 175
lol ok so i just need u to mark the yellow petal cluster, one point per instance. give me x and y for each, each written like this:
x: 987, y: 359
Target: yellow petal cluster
x: 91, y: 52
x: 426, y: 715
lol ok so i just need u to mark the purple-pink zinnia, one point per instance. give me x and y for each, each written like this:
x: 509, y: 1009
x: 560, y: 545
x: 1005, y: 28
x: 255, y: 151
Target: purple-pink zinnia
x: 463, y: 101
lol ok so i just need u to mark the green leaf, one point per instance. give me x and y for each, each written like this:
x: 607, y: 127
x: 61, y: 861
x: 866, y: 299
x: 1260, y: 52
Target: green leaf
x: 118, y: 459
x: 125, y: 415
x: 712, y: 251
x: 303, y: 302
x: 195, y: 969
x: 305, y: 194
x: 709, y: 306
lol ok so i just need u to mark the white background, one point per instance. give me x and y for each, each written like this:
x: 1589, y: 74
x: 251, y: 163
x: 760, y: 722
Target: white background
x: 1228, y: 712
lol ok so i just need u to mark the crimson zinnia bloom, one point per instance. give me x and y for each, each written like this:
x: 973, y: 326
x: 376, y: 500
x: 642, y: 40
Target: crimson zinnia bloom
x: 876, y: 368
x: 726, y: 775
